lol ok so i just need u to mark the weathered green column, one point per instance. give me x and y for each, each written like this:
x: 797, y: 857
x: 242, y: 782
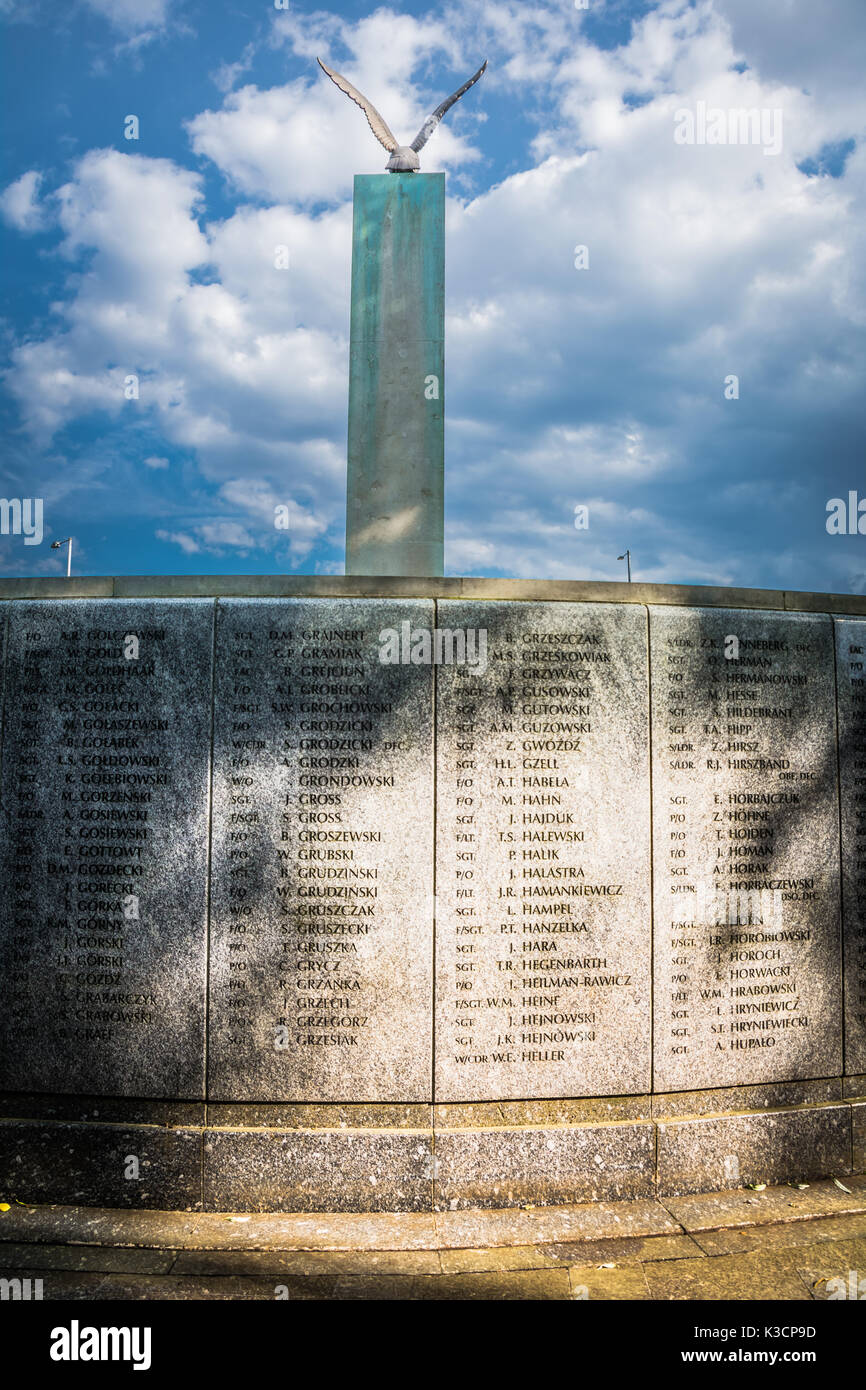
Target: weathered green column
x: 396, y: 456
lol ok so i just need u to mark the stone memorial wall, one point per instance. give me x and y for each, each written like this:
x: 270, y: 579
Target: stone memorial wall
x: 426, y: 899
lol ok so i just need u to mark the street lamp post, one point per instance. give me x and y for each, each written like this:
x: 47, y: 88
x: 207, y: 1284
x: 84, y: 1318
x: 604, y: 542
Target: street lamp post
x: 627, y: 558
x: 55, y: 545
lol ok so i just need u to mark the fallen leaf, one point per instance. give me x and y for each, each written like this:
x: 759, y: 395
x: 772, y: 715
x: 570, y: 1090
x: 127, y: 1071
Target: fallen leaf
x: 842, y: 1186
x: 4, y: 1206
x: 756, y: 1186
x: 607, y: 1266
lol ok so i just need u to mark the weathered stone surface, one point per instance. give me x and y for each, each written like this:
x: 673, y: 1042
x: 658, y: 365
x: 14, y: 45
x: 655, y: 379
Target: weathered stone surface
x: 726, y: 1151
x: 736, y: 1240
x: 536, y: 1225
x: 711, y: 1211
x: 123, y: 1110
x: 43, y: 587
x: 344, y: 586
x: 624, y: 1250
x: 514, y: 1113
x: 771, y: 1095
x: 87, y: 1165
x: 284, y: 1115
x: 818, y: 1269
x: 60, y: 1286
x: 510, y: 1167
x: 4, y: 619
x: 833, y: 1270
x: 503, y: 1286
x: 100, y: 1259
x: 211, y: 1231
x: 104, y: 847
x: 736, y: 1278
x: 322, y: 867
x: 747, y: 964
x: 543, y: 918
x: 317, y: 1170
x: 858, y: 1137
x: 621, y: 1284
x: 851, y: 701
x: 307, y: 1262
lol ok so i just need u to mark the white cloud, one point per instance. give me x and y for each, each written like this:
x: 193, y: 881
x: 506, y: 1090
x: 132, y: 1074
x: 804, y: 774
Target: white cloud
x: 187, y: 543
x: 216, y: 534
x: 259, y: 499
x: 819, y: 47
x: 305, y: 141
x: 227, y: 74
x: 20, y: 205
x: 132, y: 16
x: 226, y: 368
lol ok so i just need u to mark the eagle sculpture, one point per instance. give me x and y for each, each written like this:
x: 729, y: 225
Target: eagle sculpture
x: 404, y: 158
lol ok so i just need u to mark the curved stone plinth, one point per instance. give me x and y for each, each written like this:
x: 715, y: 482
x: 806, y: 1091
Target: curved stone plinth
x: 104, y: 1152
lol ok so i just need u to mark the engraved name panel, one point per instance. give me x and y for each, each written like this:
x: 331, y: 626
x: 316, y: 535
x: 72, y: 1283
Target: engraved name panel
x: 851, y: 686
x: 746, y: 861
x: 543, y: 876
x: 103, y: 890
x: 322, y: 904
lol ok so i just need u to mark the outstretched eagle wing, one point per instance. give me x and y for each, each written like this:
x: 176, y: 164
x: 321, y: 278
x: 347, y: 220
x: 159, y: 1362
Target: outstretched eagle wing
x: 431, y: 122
x: 374, y: 120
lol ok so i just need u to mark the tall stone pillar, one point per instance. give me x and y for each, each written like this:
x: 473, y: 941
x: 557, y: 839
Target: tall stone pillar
x: 396, y: 453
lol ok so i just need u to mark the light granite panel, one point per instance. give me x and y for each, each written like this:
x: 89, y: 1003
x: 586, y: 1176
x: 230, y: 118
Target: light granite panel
x: 719, y: 1152
x: 851, y: 694
x: 746, y: 854
x: 91, y: 1165
x: 543, y: 875
x: 544, y: 1166
x: 326, y: 1170
x: 104, y: 847
x: 322, y: 913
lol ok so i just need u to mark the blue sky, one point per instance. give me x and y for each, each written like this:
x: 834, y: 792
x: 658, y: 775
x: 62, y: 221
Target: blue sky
x: 602, y: 386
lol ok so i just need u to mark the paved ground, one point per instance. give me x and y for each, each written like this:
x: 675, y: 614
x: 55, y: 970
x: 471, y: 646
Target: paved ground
x: 782, y: 1243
